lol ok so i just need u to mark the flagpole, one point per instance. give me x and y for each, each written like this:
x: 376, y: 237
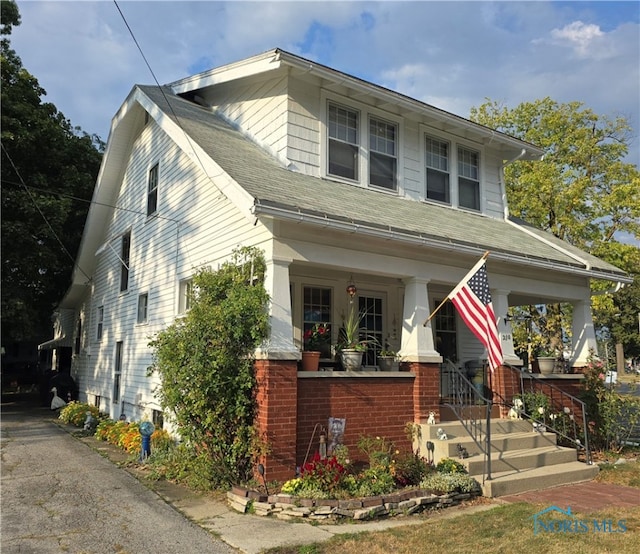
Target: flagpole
x: 473, y: 270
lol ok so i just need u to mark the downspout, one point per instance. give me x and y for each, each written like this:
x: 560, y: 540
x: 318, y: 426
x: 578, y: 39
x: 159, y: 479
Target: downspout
x: 503, y: 189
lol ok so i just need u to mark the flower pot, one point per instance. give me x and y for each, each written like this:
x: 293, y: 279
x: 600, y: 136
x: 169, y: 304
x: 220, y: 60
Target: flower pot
x: 546, y: 364
x: 310, y: 360
x: 351, y: 359
x: 386, y: 363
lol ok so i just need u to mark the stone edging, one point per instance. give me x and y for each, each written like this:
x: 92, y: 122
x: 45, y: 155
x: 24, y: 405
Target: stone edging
x: 285, y: 506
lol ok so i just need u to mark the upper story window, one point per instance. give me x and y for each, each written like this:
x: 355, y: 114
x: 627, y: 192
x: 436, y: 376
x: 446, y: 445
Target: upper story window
x: 344, y: 141
x: 143, y: 305
x: 383, y: 154
x: 152, y: 191
x: 437, y: 162
x: 100, y: 317
x: 125, y: 252
x: 468, y: 178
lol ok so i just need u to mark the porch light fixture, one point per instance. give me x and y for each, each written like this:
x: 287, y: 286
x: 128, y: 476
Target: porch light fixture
x: 351, y: 288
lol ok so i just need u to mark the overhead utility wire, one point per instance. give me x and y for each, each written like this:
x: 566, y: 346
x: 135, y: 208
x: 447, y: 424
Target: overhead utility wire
x: 55, y: 235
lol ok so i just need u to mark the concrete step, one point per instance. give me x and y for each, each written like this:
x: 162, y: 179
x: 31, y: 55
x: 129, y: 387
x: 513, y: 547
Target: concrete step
x: 499, y: 443
x: 517, y: 481
x: 518, y: 460
x: 455, y: 429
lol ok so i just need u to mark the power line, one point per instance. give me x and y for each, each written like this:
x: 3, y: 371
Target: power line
x: 55, y: 235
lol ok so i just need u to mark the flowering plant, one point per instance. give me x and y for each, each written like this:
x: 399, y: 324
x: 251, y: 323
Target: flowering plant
x: 317, y: 336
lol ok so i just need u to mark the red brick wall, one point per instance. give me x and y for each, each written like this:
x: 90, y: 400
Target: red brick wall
x: 426, y: 390
x: 376, y: 406
x: 276, y: 395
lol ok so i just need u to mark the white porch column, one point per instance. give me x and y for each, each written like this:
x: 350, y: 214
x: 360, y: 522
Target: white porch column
x: 280, y: 345
x: 500, y: 299
x: 584, y: 335
x: 417, y: 340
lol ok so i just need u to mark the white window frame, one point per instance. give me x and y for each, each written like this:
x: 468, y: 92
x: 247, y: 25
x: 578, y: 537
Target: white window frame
x: 100, y: 323
x: 381, y: 148
x: 117, y: 372
x: 344, y: 140
x: 445, y: 172
x: 125, y: 261
x: 454, y: 177
x: 469, y: 173
x: 153, y: 180
x: 185, y: 290
x: 143, y: 308
x: 366, y: 112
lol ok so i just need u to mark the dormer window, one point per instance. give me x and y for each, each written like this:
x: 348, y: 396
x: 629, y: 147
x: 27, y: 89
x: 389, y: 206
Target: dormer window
x: 437, y: 161
x: 344, y: 140
x: 468, y: 179
x: 383, y: 154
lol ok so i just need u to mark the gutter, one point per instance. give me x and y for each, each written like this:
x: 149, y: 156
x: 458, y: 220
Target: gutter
x: 298, y: 216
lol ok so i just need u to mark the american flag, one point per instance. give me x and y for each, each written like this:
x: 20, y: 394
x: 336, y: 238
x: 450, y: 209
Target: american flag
x: 472, y: 299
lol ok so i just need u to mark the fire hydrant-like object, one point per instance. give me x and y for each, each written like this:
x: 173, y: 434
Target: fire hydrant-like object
x: 146, y: 430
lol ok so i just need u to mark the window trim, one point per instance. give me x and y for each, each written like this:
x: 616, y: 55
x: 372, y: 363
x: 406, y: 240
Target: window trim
x: 117, y: 372
x: 185, y: 289
x: 371, y: 118
x: 365, y: 113
x: 125, y: 261
x: 427, y: 167
x: 139, y: 320
x: 153, y: 178
x: 100, y: 323
x: 476, y: 152
x: 454, y: 144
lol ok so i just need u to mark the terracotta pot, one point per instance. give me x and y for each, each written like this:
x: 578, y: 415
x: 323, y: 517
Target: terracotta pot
x: 310, y: 360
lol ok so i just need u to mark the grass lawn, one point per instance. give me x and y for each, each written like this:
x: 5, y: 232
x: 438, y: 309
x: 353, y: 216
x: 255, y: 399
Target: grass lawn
x: 507, y: 528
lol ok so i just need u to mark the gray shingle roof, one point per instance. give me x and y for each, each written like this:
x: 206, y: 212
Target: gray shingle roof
x: 272, y: 185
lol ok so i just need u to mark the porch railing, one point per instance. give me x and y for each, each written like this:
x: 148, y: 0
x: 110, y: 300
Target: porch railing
x: 562, y: 415
x: 463, y: 398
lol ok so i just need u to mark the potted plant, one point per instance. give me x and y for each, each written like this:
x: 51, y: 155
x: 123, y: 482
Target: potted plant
x: 351, y: 346
x: 314, y: 339
x: 387, y: 358
x: 546, y: 360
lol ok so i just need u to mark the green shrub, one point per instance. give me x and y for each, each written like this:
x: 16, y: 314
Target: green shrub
x: 449, y: 465
x: 443, y: 483
x: 378, y: 450
x: 410, y: 469
x: 75, y: 413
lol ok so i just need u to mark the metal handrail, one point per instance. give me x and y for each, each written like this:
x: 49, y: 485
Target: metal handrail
x: 465, y: 395
x: 560, y: 404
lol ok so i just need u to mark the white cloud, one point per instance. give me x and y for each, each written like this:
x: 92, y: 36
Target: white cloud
x: 450, y: 54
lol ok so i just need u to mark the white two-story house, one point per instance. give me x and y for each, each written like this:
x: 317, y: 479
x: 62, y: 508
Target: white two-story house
x: 341, y: 183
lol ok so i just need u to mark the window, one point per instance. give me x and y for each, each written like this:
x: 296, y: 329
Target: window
x: 317, y: 309
x: 468, y: 179
x: 117, y: 373
x: 185, y: 295
x: 371, y: 307
x: 445, y: 331
x: 100, y: 317
x: 78, y: 343
x: 157, y: 418
x: 125, y: 251
x: 344, y: 142
x: 143, y: 302
x: 437, y: 162
x: 152, y: 191
x: 383, y: 160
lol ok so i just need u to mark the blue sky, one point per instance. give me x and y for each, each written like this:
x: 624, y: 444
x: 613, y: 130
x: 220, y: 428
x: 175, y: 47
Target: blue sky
x: 452, y: 55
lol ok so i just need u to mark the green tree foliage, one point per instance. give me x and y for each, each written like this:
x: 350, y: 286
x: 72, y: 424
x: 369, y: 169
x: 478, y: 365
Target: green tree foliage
x: 46, y: 163
x: 582, y: 192
x: 205, y: 362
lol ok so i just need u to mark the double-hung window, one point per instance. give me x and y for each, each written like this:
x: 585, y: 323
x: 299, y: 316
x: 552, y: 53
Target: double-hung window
x: 100, y: 316
x: 117, y: 372
x: 152, y: 191
x: 125, y: 252
x: 468, y: 178
x: 143, y: 305
x: 383, y: 154
x: 185, y: 294
x: 344, y: 140
x: 317, y: 309
x: 437, y: 162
